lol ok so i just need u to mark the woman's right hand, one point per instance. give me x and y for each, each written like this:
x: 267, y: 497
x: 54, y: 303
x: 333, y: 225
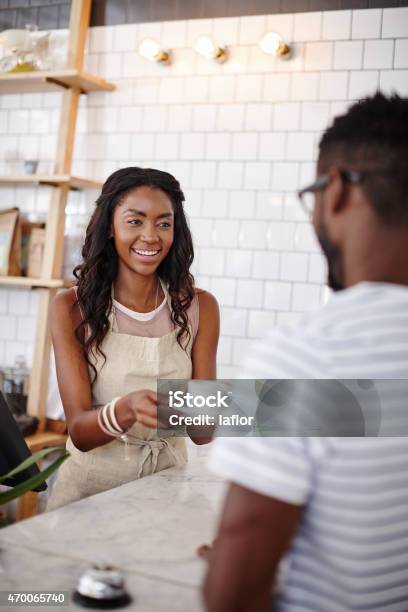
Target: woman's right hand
x: 138, y: 406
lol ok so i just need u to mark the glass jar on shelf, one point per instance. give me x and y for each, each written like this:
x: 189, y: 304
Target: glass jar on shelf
x: 27, y: 49
x: 16, y: 385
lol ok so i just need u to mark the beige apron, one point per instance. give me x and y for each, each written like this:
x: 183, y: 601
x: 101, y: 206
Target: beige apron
x: 132, y: 363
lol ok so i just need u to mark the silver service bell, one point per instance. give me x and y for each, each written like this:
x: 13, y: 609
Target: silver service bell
x: 102, y: 586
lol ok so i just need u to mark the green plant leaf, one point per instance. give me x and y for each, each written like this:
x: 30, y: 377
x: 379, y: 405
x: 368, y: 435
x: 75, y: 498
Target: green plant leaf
x: 32, y: 482
x: 31, y: 460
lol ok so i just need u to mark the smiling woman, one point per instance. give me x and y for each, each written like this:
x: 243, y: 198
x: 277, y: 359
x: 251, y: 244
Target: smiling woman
x: 141, y: 223
x: 134, y: 316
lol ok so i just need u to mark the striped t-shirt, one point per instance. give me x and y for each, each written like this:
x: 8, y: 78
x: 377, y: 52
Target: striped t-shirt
x: 351, y: 549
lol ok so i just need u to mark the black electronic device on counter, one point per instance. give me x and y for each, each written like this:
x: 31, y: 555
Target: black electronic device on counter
x: 13, y: 449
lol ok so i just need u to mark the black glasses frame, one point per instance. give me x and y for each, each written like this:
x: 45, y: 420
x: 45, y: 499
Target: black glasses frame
x: 321, y: 182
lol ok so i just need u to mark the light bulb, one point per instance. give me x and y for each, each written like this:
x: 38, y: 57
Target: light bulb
x: 205, y: 46
x: 151, y: 50
x: 273, y: 44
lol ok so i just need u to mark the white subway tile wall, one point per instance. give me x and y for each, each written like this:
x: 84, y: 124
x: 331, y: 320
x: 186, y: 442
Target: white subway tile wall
x: 366, y: 24
x: 241, y: 137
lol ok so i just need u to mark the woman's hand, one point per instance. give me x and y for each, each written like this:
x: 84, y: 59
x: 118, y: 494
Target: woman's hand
x: 138, y: 406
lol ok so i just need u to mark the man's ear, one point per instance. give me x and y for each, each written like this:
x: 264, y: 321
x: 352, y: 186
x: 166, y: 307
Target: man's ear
x: 336, y: 191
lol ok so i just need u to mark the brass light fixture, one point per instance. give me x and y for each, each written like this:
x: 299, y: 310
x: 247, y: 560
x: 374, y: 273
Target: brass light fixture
x: 151, y: 50
x: 205, y: 47
x: 273, y: 44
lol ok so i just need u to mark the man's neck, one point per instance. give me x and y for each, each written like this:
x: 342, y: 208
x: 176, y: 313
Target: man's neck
x: 383, y: 259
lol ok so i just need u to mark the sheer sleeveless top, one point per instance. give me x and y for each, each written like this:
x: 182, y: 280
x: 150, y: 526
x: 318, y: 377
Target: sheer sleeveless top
x: 158, y: 325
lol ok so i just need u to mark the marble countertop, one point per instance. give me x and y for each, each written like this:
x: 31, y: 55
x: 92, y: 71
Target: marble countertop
x: 149, y: 528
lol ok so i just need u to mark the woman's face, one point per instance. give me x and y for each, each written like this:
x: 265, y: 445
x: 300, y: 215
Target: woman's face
x: 143, y: 229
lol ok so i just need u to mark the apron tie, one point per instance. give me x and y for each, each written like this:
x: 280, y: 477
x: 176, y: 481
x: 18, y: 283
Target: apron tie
x: 152, y: 448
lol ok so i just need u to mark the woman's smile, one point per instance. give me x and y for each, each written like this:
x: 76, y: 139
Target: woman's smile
x: 150, y: 255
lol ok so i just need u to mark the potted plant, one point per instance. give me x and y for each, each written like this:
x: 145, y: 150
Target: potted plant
x: 32, y: 482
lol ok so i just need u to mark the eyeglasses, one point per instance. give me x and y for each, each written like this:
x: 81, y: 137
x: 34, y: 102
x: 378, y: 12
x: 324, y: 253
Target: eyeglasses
x: 307, y: 194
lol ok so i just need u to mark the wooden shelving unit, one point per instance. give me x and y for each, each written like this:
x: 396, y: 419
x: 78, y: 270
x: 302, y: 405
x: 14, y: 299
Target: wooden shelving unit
x: 53, y: 180
x: 44, y: 439
x: 71, y: 81
x: 52, y: 80
x: 24, y: 281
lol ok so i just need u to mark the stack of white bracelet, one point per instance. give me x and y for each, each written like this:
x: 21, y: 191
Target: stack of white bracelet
x: 107, y: 420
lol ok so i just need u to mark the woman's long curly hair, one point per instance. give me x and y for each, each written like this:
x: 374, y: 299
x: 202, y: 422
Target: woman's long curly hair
x: 99, y: 267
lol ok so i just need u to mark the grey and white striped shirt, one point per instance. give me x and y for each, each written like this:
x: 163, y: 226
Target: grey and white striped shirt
x: 351, y: 550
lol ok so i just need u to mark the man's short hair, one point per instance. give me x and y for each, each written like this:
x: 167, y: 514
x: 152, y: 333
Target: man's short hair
x: 372, y: 138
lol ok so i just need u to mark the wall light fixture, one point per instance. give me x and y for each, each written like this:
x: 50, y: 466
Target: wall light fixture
x: 151, y: 50
x: 273, y: 44
x: 205, y: 47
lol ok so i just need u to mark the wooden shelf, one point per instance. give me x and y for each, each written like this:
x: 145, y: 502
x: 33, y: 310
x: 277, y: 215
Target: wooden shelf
x: 52, y: 80
x: 45, y: 439
x: 70, y: 82
x: 24, y: 281
x: 54, y: 180
x: 77, y: 182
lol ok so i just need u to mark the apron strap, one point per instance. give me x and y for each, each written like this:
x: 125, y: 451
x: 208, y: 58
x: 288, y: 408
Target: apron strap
x: 166, y: 293
x: 111, y: 316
